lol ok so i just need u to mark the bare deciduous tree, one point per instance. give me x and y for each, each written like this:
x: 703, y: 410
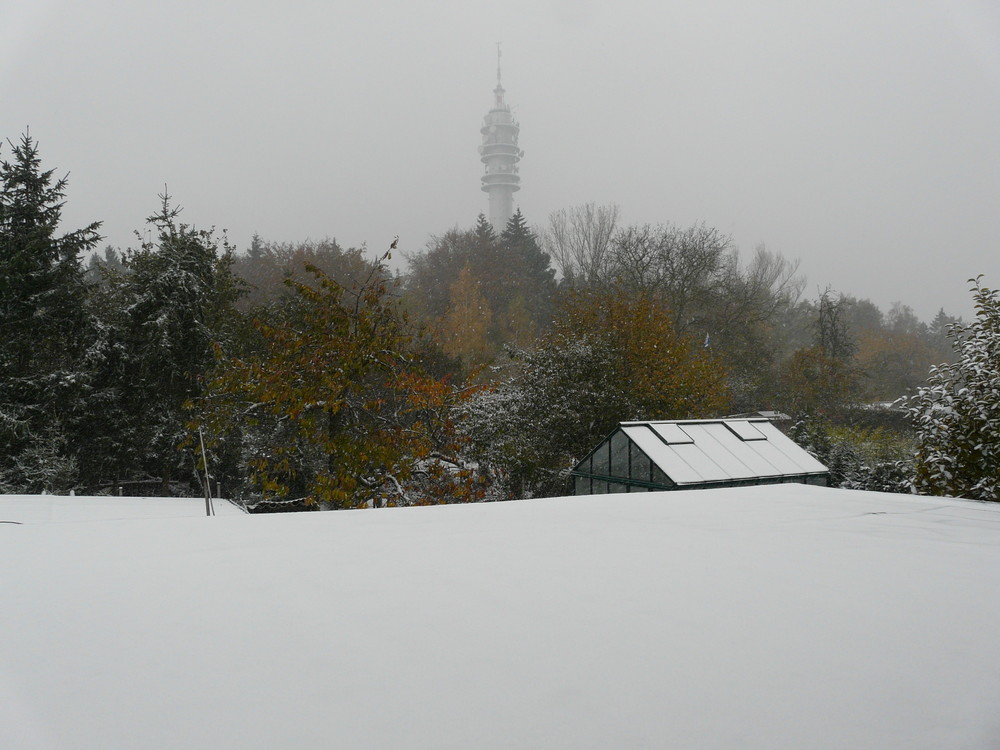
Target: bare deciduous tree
x: 578, y: 239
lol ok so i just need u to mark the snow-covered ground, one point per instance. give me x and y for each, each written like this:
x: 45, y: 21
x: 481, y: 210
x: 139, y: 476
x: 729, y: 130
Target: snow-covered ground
x: 766, y: 617
x: 48, y: 508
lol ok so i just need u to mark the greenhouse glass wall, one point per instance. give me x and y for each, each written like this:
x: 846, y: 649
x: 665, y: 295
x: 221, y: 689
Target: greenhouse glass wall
x: 691, y: 454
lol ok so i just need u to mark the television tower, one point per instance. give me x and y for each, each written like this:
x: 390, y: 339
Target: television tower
x: 500, y: 154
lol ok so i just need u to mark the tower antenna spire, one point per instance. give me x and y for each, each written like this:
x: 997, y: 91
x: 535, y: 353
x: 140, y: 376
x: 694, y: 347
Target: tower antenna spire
x: 500, y: 153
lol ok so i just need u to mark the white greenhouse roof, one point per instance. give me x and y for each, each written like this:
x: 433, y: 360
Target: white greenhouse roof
x: 772, y: 616
x: 720, y: 450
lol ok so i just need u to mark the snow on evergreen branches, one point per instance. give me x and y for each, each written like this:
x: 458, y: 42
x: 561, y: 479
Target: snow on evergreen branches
x: 957, y: 414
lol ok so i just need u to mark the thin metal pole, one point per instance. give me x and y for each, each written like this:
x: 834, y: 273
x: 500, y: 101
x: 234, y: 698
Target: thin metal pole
x: 209, y: 510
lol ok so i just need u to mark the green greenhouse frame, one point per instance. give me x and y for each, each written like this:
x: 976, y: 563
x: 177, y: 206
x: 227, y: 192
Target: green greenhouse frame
x: 694, y: 454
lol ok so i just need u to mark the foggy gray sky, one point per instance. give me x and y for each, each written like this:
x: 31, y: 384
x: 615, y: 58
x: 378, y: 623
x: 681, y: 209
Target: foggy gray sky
x: 860, y: 137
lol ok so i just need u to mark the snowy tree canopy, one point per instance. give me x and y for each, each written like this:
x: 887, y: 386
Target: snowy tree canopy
x: 957, y: 414
x: 159, y: 320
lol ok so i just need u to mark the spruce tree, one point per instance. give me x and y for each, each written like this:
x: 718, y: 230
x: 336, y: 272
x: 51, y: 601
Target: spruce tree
x: 42, y: 325
x: 164, y: 315
x: 510, y: 271
x: 531, y: 279
x: 484, y: 230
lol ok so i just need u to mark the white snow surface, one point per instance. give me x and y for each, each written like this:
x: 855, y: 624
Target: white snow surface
x: 62, y: 508
x: 783, y: 616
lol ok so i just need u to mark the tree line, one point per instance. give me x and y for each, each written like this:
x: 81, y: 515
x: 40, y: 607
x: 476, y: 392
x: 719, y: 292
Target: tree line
x: 319, y: 378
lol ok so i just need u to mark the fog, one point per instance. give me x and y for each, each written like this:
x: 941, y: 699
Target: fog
x: 858, y: 137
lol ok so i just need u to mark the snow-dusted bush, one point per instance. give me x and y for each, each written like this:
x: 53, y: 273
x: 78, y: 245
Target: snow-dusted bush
x: 528, y: 430
x: 859, y: 458
x: 957, y: 414
x: 43, y: 465
x: 881, y: 476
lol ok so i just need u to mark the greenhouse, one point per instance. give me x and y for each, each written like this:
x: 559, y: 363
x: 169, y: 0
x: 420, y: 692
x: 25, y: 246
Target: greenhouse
x: 692, y: 454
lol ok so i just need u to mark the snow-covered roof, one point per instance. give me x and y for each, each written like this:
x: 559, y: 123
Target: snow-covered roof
x: 719, y: 450
x: 695, y: 453
x: 769, y: 414
x: 47, y: 508
x: 781, y: 616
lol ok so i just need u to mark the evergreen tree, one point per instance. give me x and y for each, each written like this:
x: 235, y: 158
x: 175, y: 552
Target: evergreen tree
x: 530, y: 282
x: 42, y: 325
x: 484, y: 230
x: 162, y: 318
x: 957, y: 414
x: 98, y: 266
x: 938, y: 335
x: 511, y: 272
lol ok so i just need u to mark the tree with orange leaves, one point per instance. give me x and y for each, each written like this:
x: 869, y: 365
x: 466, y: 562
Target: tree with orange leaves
x: 662, y: 374
x: 338, y: 410
x: 464, y: 330
x: 612, y: 356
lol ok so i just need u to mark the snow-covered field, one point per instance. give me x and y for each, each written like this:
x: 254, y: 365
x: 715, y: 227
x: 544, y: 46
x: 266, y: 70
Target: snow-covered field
x: 766, y: 617
x: 49, y: 508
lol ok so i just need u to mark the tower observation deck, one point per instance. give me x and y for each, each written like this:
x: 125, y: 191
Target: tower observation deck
x: 500, y: 153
